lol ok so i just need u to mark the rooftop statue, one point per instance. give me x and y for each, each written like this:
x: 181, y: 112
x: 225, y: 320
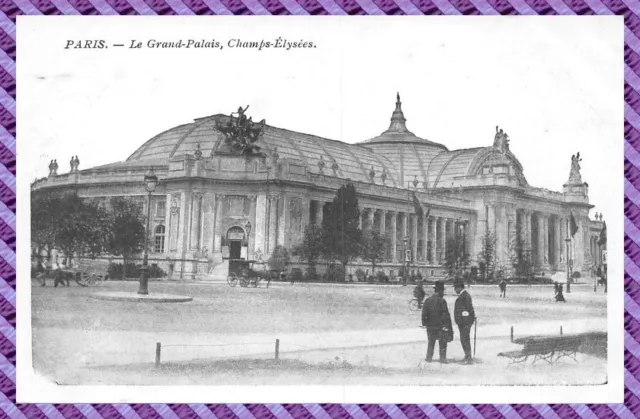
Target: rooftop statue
x: 574, y: 175
x: 242, y: 133
x: 501, y: 140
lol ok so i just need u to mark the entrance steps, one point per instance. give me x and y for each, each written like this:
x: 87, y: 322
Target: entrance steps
x: 219, y: 273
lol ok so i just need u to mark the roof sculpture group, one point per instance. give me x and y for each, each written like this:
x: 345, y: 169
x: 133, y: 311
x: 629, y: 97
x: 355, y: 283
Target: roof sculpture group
x: 501, y: 140
x: 241, y: 133
x: 574, y: 175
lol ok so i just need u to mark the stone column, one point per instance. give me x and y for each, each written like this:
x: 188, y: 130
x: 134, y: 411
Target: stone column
x: 501, y: 234
x: 414, y: 237
x: 491, y: 220
x: 272, y: 237
x: 527, y: 228
x: 382, y: 227
x: 306, y: 214
x: 394, y: 236
x: 473, y: 242
x: 208, y: 220
x: 196, y: 218
x: 403, y: 226
x: 560, y: 226
x: 540, y: 241
x: 370, y: 218
x: 174, y: 223
x: 217, y: 229
x: 184, y: 222
x: 383, y: 223
x: 282, y: 220
x: 434, y: 240
x: 319, y: 212
x: 260, y: 226
x: 425, y: 238
x: 547, y: 247
x: 252, y: 243
x: 443, y: 238
x: 360, y: 220
x: 465, y: 235
x: 511, y: 230
x: 579, y: 258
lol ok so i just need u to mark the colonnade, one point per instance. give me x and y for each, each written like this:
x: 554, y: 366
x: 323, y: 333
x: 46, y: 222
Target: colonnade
x: 199, y: 220
x: 426, y: 236
x: 548, y: 236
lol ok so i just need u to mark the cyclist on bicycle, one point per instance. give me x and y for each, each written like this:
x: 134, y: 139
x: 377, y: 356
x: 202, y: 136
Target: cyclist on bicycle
x: 419, y: 293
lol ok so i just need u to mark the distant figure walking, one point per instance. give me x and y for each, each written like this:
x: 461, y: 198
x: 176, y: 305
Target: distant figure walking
x: 559, y: 295
x: 503, y: 289
x: 419, y: 293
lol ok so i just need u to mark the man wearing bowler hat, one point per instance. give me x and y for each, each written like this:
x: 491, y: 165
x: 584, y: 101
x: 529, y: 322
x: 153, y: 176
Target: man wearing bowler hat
x: 464, y: 316
x: 437, y: 320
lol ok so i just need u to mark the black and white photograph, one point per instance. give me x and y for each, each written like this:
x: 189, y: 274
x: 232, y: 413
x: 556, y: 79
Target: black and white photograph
x: 335, y: 209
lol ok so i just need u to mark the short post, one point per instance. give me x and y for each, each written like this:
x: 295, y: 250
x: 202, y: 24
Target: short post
x: 277, y: 349
x: 158, y: 349
x: 511, y: 334
x: 560, y: 330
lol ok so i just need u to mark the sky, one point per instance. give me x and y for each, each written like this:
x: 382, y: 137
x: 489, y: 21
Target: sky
x: 553, y: 84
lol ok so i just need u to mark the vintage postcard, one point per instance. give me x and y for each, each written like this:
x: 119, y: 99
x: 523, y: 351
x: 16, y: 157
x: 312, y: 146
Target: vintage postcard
x: 325, y: 210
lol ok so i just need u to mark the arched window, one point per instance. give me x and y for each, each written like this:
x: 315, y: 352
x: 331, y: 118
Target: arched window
x: 159, y: 239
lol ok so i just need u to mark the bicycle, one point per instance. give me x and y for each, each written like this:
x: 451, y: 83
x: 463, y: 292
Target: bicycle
x: 414, y: 305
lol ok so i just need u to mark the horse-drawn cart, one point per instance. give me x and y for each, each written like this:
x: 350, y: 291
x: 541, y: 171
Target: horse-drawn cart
x: 248, y: 274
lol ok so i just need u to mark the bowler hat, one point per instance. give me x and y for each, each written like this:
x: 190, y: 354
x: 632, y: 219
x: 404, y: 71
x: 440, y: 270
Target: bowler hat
x: 439, y: 286
x: 458, y: 284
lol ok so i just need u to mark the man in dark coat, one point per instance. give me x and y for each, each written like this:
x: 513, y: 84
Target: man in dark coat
x: 437, y: 320
x: 464, y: 316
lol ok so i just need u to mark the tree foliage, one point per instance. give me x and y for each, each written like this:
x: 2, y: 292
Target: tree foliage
x: 74, y: 225
x: 82, y: 225
x: 341, y: 234
x: 45, y: 209
x: 487, y: 256
x: 522, y: 256
x: 310, y: 249
x: 126, y: 233
x: 374, y: 247
x: 279, y: 259
x: 456, y: 256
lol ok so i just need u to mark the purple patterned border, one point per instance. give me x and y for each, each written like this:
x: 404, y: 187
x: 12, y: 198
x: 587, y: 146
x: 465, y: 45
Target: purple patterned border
x: 630, y: 9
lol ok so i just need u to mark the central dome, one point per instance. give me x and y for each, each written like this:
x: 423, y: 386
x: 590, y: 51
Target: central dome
x: 398, y: 131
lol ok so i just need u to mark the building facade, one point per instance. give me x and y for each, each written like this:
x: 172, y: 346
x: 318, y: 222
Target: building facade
x: 234, y: 189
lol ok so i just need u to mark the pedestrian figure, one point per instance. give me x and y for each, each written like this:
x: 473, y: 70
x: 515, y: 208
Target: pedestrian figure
x: 503, y: 288
x: 437, y: 320
x: 419, y: 293
x: 42, y: 274
x: 559, y: 296
x: 464, y: 316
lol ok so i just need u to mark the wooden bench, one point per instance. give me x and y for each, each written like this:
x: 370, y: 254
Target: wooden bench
x: 545, y: 348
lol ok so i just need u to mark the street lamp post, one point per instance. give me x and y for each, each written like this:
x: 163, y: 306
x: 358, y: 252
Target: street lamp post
x: 150, y: 183
x: 406, y: 260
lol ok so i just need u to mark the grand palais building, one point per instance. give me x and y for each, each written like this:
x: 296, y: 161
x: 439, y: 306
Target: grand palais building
x: 231, y: 188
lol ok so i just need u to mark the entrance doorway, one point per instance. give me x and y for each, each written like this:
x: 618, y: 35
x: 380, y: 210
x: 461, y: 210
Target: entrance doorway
x: 235, y: 239
x: 235, y: 247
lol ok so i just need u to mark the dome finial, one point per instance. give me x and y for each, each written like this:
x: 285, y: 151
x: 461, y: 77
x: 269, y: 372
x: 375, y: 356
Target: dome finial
x: 397, y: 118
